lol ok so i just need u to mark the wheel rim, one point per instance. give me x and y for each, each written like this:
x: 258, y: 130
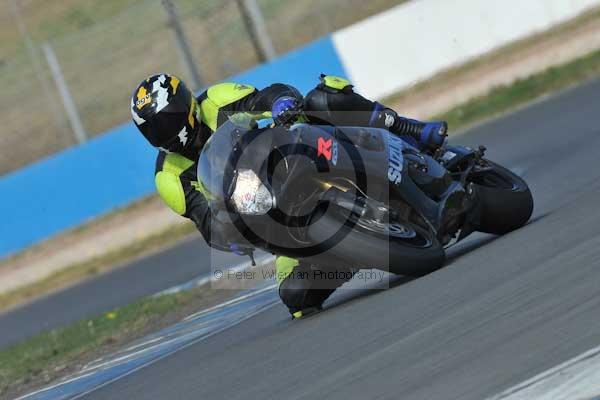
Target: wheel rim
x: 393, y: 230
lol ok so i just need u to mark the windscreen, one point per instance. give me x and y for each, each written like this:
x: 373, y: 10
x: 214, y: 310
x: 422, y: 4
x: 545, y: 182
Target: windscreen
x: 214, y: 177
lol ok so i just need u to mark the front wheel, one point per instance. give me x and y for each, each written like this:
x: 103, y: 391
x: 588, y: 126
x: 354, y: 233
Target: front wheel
x: 402, y: 248
x: 504, y: 199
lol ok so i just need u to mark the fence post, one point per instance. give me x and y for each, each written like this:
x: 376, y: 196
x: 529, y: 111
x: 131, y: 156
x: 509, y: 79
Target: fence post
x: 34, y: 56
x: 65, y: 94
x: 182, y: 44
x: 257, y: 30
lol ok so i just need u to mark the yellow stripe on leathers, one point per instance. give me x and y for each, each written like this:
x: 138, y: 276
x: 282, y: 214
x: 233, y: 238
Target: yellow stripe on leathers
x: 284, y: 266
x: 191, y: 119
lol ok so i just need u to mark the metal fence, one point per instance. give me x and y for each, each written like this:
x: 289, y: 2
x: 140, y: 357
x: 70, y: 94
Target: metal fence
x: 95, y: 52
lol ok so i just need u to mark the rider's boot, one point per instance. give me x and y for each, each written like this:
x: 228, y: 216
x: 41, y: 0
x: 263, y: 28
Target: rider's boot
x: 430, y: 135
x: 307, y: 287
x: 334, y: 102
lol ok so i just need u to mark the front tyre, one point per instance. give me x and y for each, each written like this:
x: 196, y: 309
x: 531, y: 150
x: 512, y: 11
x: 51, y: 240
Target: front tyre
x: 402, y: 248
x: 504, y: 199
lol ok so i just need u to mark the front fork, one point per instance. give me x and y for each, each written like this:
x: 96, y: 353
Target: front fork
x: 463, y: 169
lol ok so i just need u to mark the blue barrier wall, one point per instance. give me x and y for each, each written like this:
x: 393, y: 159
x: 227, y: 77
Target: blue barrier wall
x: 116, y: 168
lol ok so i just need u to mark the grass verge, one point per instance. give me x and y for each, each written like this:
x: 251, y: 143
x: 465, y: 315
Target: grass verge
x: 84, y: 270
x: 32, y: 357
x: 505, y: 98
x: 50, y: 355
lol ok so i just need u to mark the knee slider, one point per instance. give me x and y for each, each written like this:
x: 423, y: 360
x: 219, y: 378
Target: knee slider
x: 334, y: 84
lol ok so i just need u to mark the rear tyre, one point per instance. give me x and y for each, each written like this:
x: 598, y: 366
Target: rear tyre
x: 399, y: 247
x: 504, y: 198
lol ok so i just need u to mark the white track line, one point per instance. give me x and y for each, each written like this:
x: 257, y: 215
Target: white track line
x: 209, y: 278
x: 577, y: 378
x: 103, y: 362
x: 172, y: 352
x: 232, y: 301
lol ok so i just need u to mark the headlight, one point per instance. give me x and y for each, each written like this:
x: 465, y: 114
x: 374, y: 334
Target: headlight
x: 250, y: 195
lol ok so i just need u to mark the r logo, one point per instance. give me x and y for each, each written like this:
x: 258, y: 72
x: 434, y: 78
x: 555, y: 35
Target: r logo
x: 324, y: 148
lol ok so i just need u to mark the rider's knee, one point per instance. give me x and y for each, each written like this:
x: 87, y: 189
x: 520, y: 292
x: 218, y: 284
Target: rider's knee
x: 293, y: 292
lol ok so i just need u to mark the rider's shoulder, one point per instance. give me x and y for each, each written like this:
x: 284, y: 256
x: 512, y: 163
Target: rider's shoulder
x: 225, y: 93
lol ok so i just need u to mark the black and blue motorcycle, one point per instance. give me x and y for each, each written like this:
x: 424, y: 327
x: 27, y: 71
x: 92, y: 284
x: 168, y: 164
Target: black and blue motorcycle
x: 355, y: 196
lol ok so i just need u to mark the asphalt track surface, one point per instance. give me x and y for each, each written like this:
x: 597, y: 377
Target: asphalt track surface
x: 503, y: 310
x: 143, y: 277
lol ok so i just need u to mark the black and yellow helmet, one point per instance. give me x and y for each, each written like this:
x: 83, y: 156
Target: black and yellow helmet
x: 164, y: 110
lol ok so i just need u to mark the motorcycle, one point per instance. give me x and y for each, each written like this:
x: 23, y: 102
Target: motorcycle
x: 354, y: 196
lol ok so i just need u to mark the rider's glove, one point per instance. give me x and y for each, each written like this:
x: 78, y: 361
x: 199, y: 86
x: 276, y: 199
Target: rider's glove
x: 285, y: 110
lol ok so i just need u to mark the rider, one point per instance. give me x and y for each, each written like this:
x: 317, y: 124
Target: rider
x: 178, y: 123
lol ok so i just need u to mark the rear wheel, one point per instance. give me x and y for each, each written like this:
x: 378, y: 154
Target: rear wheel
x: 505, y: 200
x: 399, y: 247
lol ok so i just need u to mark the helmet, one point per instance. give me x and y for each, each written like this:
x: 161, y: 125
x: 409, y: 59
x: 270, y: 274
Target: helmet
x: 164, y: 110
